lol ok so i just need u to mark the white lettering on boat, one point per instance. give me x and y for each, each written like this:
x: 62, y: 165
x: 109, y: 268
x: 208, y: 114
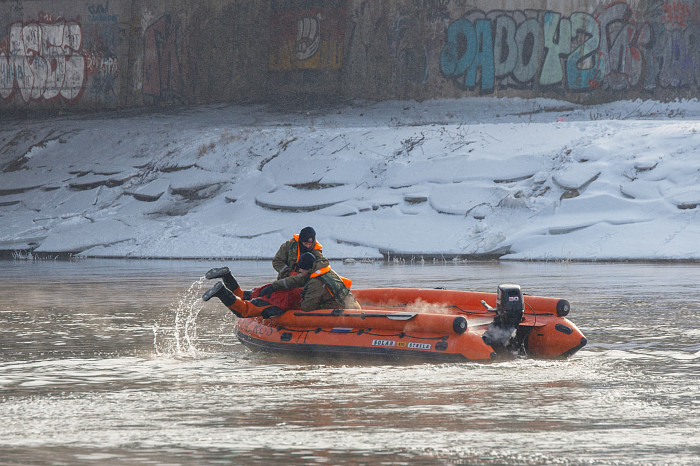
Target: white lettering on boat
x: 383, y: 343
x: 413, y: 345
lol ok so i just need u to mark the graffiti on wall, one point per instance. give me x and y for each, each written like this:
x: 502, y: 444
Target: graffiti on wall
x: 411, y: 57
x: 101, y: 42
x: 309, y: 39
x: 42, y: 60
x: 163, y: 80
x: 99, y: 12
x: 613, y: 48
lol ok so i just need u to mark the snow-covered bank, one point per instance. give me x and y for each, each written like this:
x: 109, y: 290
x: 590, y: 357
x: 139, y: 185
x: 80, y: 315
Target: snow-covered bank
x: 519, y: 179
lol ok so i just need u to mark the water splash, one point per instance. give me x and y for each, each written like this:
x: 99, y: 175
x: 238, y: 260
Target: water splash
x: 182, y: 340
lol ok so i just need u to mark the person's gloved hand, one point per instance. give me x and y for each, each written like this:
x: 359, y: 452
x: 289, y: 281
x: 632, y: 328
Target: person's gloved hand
x: 266, y: 291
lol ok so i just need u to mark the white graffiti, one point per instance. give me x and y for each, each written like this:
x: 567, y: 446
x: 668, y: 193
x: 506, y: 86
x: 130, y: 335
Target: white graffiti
x: 308, y: 37
x: 44, y: 61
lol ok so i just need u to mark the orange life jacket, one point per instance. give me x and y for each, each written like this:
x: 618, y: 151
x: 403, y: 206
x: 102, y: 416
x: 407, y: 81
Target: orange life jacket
x: 317, y: 246
x: 338, y: 287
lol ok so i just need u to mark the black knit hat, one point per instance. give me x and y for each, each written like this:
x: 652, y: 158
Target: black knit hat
x: 306, y: 261
x: 306, y: 234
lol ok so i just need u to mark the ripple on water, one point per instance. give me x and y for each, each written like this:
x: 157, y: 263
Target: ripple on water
x: 156, y: 375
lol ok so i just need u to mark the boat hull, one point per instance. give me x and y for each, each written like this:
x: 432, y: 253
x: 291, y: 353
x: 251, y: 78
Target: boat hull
x: 413, y: 324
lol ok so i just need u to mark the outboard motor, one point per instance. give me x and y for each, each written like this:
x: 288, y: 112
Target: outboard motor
x: 501, y: 333
x: 509, y: 305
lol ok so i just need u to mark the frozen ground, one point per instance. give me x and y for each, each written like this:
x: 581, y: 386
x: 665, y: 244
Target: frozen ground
x: 478, y: 177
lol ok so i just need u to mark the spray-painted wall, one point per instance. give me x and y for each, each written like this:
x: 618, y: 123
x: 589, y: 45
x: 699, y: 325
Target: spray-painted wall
x: 95, y: 54
x: 578, y: 50
x: 67, y: 53
x: 98, y: 54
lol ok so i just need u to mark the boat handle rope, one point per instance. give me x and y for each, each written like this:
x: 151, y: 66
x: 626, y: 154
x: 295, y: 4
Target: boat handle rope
x: 362, y: 332
x: 361, y: 315
x: 470, y: 312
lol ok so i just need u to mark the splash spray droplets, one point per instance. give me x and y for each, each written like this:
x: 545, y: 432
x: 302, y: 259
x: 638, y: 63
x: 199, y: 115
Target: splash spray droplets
x: 182, y: 340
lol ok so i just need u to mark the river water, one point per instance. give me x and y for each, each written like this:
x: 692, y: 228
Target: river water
x: 120, y: 362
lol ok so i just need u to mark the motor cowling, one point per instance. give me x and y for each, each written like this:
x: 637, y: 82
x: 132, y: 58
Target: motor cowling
x: 509, y: 305
x: 501, y: 333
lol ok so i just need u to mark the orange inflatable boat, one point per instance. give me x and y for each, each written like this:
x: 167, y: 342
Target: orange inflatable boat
x: 424, y: 324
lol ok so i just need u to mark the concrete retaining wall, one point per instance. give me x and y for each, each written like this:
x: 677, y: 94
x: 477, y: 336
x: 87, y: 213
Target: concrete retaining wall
x: 101, y: 54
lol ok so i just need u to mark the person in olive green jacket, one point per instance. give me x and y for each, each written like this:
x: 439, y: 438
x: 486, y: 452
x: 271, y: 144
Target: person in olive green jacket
x: 323, y: 288
x: 288, y: 255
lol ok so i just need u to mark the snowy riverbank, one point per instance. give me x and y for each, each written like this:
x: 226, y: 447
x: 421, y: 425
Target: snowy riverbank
x: 483, y: 177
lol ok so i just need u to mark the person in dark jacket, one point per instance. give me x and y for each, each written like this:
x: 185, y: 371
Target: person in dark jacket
x: 290, y: 251
x: 322, y: 289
